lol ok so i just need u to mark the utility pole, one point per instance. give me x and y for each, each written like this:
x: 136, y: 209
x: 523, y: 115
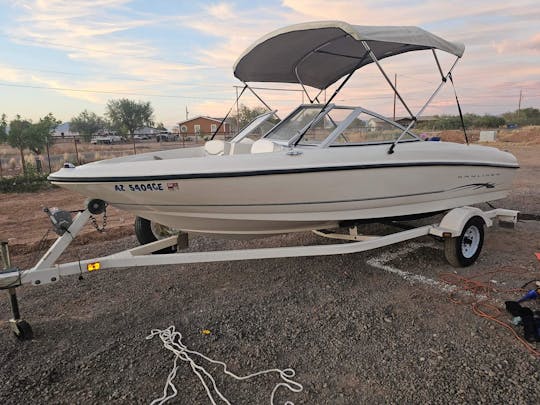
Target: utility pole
x: 395, y: 87
x: 237, y: 112
x: 519, y: 103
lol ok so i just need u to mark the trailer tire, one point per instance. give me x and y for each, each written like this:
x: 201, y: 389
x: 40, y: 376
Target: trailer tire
x: 463, y: 250
x: 145, y: 234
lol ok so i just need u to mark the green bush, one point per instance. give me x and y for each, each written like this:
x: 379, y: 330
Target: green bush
x: 30, y: 183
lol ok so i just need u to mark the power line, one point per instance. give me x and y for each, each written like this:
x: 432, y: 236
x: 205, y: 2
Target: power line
x: 107, y: 92
x: 127, y: 93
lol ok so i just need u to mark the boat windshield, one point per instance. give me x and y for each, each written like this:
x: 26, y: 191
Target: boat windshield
x: 256, y: 128
x: 295, y: 123
x: 338, y: 126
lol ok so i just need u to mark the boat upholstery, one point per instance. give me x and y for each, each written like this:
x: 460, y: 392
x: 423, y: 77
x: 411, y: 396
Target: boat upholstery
x: 264, y: 146
x: 217, y: 147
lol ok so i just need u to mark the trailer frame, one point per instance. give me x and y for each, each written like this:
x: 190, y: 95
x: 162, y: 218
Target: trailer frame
x: 47, y: 271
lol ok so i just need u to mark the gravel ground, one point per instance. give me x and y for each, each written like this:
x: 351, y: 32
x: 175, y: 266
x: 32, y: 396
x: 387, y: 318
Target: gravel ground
x: 353, y: 332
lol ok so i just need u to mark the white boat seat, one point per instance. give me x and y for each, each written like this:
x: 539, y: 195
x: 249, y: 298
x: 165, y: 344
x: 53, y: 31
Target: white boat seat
x: 242, y: 147
x: 217, y: 147
x: 264, y: 146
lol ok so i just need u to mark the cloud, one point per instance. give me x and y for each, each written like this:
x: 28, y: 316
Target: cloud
x: 221, y: 11
x: 98, y: 34
x: 104, y: 36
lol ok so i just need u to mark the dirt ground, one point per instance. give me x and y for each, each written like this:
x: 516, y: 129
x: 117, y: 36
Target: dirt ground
x: 360, y: 328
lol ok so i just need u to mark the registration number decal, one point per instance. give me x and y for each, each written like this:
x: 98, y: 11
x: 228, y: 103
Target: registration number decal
x: 139, y: 187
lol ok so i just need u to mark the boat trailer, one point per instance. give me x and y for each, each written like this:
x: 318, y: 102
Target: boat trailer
x: 461, y: 229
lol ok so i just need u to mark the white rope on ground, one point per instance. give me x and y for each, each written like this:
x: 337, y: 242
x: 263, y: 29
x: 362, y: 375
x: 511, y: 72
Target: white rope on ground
x: 172, y: 340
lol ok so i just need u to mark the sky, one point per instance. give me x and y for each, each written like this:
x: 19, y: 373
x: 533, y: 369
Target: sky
x: 66, y: 56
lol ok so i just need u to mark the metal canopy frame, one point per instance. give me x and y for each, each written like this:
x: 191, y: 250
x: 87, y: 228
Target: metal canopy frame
x: 369, y: 52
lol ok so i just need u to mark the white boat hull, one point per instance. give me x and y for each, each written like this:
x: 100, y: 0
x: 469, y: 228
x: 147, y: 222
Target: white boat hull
x: 272, y: 193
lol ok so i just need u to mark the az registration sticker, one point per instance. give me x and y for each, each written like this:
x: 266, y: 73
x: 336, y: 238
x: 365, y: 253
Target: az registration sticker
x: 172, y: 186
x: 139, y: 187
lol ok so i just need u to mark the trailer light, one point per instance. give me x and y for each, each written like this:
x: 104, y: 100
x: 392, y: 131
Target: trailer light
x: 447, y: 234
x: 93, y: 266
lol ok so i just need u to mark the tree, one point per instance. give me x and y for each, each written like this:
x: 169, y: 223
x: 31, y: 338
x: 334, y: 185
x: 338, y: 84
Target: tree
x: 87, y: 124
x: 128, y: 115
x: 3, y: 129
x: 161, y: 127
x: 525, y: 116
x: 25, y: 135
x: 17, y: 137
x: 41, y: 133
x: 246, y: 115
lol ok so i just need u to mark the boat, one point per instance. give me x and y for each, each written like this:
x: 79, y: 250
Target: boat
x: 322, y: 166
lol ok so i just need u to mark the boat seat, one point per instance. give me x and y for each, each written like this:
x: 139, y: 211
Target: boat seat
x: 264, y: 146
x: 242, y: 147
x: 217, y: 147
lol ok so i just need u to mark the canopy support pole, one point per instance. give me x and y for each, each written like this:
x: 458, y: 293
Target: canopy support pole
x: 421, y: 111
x: 374, y: 58
x: 459, y: 109
x: 443, y: 78
x: 227, y: 116
x: 259, y: 98
x: 297, y: 138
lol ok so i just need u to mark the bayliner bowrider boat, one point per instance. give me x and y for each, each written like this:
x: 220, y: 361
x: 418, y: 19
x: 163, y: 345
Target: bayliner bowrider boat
x: 320, y: 166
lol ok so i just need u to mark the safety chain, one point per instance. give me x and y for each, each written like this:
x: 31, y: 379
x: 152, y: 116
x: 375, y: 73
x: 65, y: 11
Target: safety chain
x: 95, y: 224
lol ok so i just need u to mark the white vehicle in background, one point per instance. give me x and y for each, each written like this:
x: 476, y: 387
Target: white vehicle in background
x: 106, y: 140
x: 167, y: 137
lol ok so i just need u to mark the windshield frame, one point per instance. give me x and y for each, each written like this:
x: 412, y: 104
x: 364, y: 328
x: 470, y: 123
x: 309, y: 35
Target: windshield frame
x: 296, y: 139
x: 253, y: 125
x: 300, y: 132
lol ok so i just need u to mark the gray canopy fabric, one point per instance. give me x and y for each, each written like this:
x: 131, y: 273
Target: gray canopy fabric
x: 323, y: 52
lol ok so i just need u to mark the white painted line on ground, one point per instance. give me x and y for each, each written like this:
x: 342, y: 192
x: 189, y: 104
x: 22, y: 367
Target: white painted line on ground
x: 380, y: 261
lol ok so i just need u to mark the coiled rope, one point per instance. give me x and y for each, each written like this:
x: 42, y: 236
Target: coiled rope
x: 172, y: 340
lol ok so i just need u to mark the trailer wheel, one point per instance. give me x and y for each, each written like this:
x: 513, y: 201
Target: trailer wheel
x: 148, y: 231
x: 463, y: 250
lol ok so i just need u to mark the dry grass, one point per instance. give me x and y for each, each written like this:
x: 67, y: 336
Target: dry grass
x: 61, y: 152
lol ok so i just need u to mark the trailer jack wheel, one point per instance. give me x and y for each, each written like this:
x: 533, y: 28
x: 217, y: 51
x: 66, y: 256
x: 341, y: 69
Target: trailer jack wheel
x: 21, y: 329
x: 463, y: 250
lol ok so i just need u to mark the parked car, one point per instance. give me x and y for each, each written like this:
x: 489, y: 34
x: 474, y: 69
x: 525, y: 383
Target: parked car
x: 106, y: 139
x: 141, y: 137
x: 167, y: 137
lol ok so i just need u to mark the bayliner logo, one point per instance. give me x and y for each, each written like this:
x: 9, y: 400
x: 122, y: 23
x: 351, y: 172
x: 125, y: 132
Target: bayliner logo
x: 478, y: 175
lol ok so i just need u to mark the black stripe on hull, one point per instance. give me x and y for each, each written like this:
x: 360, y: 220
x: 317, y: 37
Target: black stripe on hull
x: 116, y: 179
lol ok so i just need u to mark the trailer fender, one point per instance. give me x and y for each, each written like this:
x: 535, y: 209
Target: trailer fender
x: 453, y: 222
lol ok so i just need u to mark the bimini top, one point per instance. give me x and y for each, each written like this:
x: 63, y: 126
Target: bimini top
x: 319, y: 53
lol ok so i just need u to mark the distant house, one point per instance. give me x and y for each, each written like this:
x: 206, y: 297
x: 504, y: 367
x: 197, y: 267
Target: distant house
x: 376, y: 124
x: 203, y: 126
x: 63, y: 131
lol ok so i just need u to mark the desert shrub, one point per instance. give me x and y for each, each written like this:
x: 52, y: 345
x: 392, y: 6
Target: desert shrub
x: 31, y: 182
